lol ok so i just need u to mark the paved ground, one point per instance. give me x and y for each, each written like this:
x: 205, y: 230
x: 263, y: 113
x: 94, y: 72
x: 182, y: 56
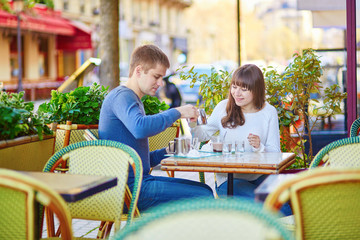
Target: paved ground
x: 89, y: 228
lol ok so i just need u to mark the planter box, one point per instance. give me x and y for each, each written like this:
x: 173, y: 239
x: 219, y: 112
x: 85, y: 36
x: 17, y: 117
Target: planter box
x: 26, y: 153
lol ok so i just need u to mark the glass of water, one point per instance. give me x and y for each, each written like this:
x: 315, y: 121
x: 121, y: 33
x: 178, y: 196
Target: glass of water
x: 239, y: 146
x: 227, y: 147
x: 195, y: 143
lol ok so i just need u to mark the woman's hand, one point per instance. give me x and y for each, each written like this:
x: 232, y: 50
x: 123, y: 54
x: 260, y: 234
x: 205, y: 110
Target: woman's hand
x: 254, y: 140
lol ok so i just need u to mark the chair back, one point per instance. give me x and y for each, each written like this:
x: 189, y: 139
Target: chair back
x: 106, y: 158
x: 355, y: 127
x: 89, y: 136
x: 69, y: 133
x: 341, y: 153
x: 21, y: 199
x: 206, y: 219
x: 162, y: 139
x: 325, y: 203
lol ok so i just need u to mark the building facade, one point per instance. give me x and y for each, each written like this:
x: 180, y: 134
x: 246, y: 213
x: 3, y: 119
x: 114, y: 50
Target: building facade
x: 44, y: 35
x: 159, y: 22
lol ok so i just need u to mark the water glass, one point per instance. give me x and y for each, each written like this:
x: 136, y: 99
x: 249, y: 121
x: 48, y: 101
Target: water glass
x: 227, y: 147
x: 172, y: 147
x: 239, y: 146
x: 195, y: 143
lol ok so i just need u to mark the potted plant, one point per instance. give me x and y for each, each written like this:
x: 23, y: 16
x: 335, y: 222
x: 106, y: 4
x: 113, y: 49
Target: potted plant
x: 73, y: 112
x: 290, y: 93
x: 26, y: 143
x: 213, y: 88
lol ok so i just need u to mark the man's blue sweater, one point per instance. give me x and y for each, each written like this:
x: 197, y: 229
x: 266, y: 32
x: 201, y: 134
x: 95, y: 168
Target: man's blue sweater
x: 123, y: 119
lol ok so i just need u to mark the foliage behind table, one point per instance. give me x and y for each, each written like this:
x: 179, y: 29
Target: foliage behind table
x: 26, y: 142
x: 73, y: 112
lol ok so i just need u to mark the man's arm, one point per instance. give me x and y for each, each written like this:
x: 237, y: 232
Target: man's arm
x: 156, y: 156
x: 129, y: 110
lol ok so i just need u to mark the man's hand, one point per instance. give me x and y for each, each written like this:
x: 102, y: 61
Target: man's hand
x: 188, y: 111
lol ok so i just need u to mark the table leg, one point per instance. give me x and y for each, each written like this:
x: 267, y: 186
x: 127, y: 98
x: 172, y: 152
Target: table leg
x: 230, y: 186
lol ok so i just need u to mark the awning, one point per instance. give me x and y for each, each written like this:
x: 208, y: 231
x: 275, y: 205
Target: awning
x: 70, y: 35
x: 80, y: 40
x: 39, y: 20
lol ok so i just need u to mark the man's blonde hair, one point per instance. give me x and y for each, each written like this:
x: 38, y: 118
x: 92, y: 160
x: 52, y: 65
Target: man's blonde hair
x: 148, y: 56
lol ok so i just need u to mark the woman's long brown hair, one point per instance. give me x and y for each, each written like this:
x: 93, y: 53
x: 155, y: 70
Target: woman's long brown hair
x: 248, y: 76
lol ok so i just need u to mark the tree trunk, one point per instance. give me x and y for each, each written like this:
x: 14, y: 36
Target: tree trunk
x: 109, y: 43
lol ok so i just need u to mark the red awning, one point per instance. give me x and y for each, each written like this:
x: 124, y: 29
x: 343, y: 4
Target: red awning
x: 71, y: 35
x: 40, y: 19
x: 80, y: 40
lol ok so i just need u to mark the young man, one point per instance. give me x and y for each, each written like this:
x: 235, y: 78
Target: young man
x: 122, y: 118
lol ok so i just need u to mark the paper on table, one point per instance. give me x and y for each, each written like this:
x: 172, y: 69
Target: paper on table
x: 207, y: 148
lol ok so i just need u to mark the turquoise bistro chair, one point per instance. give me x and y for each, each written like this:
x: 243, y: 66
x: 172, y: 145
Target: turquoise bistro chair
x: 207, y: 219
x: 104, y: 158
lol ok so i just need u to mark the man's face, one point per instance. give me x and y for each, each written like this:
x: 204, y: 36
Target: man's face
x: 150, y: 81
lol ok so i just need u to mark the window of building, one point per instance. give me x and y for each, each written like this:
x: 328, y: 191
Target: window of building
x: 82, y: 6
x: 14, y: 57
x: 43, y: 57
x: 66, y: 5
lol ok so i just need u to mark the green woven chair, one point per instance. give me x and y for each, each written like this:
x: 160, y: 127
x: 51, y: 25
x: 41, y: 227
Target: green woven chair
x: 106, y: 158
x: 21, y: 198
x: 105, y: 227
x: 355, y: 127
x: 325, y: 203
x: 162, y: 140
x: 206, y: 219
x: 341, y: 153
x: 69, y: 133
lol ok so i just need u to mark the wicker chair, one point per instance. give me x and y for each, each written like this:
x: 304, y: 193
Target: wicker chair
x: 355, y: 128
x: 105, y: 227
x: 325, y: 203
x: 21, y: 199
x: 101, y: 157
x: 69, y: 133
x: 206, y: 219
x: 341, y: 153
x: 162, y: 140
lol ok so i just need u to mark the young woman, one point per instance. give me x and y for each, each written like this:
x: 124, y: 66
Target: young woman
x: 244, y: 116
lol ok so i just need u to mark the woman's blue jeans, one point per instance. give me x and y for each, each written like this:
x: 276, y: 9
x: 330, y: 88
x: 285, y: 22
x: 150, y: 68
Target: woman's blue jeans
x: 244, y: 188
x: 156, y: 190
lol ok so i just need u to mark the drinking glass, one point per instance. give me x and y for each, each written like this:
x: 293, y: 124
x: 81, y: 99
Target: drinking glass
x: 195, y: 143
x: 217, y: 144
x: 172, y: 147
x: 227, y: 147
x: 239, y: 146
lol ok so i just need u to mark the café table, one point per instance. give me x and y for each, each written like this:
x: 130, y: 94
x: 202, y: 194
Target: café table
x: 248, y: 162
x: 74, y: 187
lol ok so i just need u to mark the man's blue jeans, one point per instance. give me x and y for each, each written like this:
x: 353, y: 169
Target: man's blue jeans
x: 156, y: 190
x: 244, y: 188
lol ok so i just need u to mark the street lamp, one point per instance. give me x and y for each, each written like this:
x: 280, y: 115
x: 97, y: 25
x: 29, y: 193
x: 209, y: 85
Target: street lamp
x: 18, y: 7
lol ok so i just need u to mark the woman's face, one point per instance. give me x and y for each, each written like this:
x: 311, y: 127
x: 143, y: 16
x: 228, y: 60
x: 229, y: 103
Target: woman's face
x: 243, y: 97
